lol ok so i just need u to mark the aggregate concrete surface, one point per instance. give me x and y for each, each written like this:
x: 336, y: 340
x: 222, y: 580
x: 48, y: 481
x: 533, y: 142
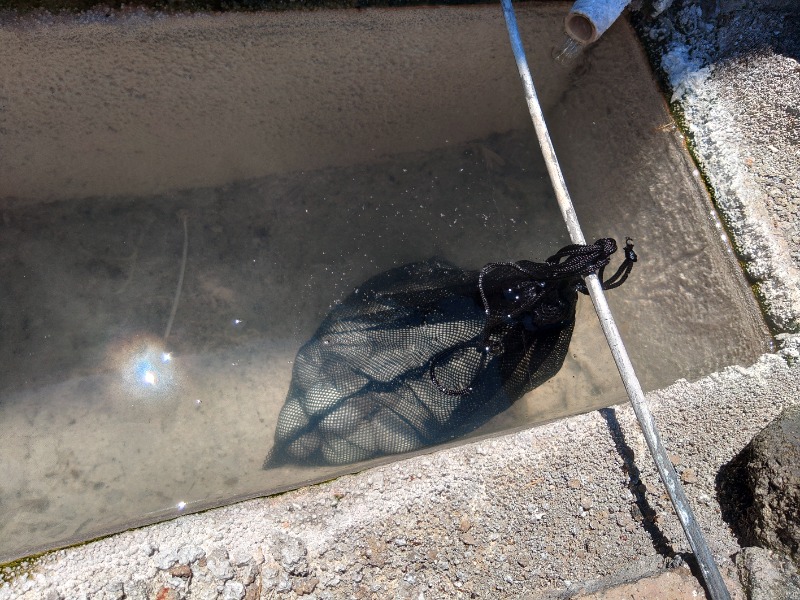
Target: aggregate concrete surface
x: 559, y: 511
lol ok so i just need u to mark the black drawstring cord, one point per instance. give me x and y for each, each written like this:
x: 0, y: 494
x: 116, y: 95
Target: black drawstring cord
x: 618, y: 278
x: 575, y: 260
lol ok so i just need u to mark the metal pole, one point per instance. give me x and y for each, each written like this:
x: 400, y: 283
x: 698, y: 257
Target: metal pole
x: 710, y: 571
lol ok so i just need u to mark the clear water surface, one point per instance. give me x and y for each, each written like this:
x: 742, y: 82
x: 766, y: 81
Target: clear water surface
x: 296, y: 156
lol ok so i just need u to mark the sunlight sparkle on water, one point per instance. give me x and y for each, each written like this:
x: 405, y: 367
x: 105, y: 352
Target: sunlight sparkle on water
x: 146, y: 369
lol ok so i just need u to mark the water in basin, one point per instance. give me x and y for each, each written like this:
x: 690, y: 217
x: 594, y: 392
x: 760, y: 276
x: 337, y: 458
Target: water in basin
x: 299, y: 155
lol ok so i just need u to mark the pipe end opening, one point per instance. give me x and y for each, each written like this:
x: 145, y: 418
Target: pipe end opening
x: 580, y: 28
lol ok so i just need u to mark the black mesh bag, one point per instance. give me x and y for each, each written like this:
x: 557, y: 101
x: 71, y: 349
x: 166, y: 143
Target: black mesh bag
x: 427, y: 352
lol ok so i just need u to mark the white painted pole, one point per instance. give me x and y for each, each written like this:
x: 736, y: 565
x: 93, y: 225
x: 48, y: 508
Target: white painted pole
x: 708, y: 567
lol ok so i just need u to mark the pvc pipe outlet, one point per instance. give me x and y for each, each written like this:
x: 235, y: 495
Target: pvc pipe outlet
x: 588, y: 19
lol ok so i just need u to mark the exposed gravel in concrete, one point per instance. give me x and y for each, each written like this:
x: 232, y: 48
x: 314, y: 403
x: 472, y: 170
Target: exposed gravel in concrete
x: 542, y: 512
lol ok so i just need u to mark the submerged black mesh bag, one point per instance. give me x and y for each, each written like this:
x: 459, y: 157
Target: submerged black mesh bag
x: 424, y: 353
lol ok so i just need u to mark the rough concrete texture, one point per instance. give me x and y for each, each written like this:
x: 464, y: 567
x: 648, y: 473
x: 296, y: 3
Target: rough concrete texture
x: 675, y: 584
x: 734, y: 73
x: 762, y: 485
x: 555, y: 511
x: 765, y: 575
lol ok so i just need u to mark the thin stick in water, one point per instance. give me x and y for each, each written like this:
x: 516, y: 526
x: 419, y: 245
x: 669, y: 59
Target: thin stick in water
x: 180, y: 276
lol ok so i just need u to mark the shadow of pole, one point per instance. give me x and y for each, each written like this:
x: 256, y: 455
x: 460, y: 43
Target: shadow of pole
x: 644, y: 513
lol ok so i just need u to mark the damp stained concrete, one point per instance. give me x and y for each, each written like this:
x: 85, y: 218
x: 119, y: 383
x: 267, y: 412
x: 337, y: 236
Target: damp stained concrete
x: 21, y: 206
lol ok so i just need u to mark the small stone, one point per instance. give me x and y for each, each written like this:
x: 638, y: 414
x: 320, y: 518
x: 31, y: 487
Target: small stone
x: 233, y: 590
x: 217, y: 562
x: 675, y: 460
x: 114, y: 591
x: 574, y: 484
x: 178, y: 583
x: 305, y: 586
x: 689, y: 476
x: 465, y: 525
x: 284, y: 585
x: 270, y: 574
x: 190, y: 554
x: 469, y: 539
x: 375, y: 552
x: 240, y: 557
x: 184, y: 571
x: 251, y: 571
x: 164, y: 560
x: 292, y: 556
x: 586, y: 503
x: 251, y: 592
x: 167, y: 593
x: 135, y: 590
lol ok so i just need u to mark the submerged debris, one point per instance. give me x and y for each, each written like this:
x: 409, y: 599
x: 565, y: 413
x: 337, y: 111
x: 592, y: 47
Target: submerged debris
x: 427, y: 352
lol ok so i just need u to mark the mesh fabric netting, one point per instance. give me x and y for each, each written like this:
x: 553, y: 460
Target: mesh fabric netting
x: 427, y: 352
